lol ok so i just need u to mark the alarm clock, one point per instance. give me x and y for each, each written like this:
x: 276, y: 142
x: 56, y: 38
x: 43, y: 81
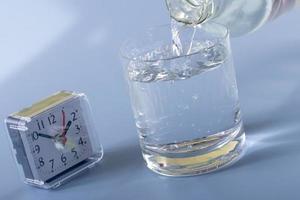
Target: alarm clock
x: 54, y: 140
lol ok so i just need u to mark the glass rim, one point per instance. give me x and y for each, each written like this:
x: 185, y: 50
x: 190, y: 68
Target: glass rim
x: 125, y: 54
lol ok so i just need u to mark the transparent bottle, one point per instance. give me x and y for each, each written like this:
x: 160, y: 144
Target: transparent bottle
x: 240, y: 16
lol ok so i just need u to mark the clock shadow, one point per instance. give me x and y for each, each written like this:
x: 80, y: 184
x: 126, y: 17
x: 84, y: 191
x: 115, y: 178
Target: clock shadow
x: 114, y: 166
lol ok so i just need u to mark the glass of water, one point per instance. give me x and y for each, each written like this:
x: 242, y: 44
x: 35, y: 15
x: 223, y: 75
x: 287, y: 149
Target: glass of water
x: 184, y: 98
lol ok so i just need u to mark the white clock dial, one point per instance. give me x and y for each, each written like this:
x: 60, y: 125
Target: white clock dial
x: 57, y: 140
x: 54, y: 139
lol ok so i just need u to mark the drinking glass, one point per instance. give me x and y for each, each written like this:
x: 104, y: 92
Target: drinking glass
x: 184, y: 98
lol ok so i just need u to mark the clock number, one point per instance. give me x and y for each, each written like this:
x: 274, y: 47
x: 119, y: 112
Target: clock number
x: 81, y: 142
x: 52, y: 164
x: 74, y: 115
x: 77, y: 128
x: 41, y: 161
x: 40, y: 124
x: 35, y: 135
x: 63, y: 159
x: 75, y: 153
x: 51, y: 119
x: 36, y: 149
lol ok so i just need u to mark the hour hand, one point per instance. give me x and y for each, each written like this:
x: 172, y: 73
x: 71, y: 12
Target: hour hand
x: 46, y: 136
x: 66, y: 128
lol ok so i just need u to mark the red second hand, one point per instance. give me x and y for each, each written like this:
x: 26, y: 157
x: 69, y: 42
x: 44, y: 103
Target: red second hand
x: 63, y: 119
x: 63, y: 127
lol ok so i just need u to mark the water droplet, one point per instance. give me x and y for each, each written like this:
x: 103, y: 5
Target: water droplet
x: 140, y: 113
x: 186, y: 107
x: 195, y: 97
x: 237, y: 116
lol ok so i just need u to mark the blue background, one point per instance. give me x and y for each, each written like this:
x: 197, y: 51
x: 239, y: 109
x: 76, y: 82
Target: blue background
x: 50, y: 45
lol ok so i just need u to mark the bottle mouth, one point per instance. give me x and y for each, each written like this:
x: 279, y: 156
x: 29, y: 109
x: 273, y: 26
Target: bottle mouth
x: 190, y: 11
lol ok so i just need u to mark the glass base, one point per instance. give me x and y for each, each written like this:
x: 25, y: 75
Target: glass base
x: 196, y: 162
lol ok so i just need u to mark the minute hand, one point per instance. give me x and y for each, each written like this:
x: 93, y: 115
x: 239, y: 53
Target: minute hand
x: 46, y: 136
x: 66, y: 128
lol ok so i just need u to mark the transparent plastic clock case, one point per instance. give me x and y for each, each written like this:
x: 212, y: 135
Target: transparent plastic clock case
x: 54, y: 139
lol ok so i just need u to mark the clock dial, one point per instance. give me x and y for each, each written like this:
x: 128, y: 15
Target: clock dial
x: 58, y: 139
x: 54, y: 139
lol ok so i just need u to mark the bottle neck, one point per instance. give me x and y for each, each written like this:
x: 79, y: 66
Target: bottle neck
x: 199, y: 11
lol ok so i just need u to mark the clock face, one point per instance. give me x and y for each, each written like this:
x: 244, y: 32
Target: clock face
x: 57, y: 139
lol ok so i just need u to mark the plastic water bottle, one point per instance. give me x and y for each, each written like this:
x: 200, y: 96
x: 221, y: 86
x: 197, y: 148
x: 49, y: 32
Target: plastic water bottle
x: 240, y: 16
